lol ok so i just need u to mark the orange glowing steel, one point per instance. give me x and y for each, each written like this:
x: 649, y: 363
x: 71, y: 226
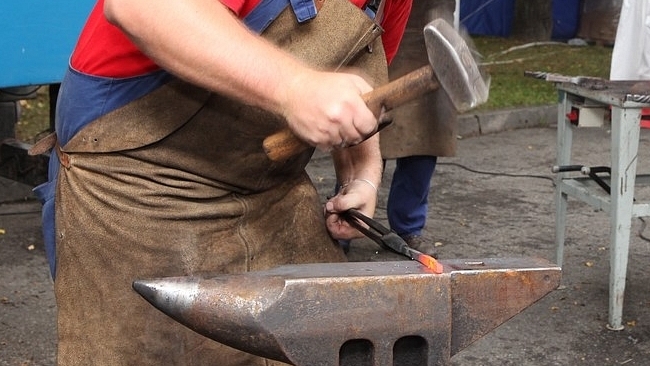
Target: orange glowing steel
x: 430, y: 263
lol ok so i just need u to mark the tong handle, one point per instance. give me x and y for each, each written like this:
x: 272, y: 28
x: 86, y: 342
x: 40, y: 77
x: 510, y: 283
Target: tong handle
x: 388, y: 239
x: 375, y: 231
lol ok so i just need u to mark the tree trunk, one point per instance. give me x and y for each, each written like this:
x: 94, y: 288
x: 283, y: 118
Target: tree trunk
x: 599, y: 20
x: 533, y: 20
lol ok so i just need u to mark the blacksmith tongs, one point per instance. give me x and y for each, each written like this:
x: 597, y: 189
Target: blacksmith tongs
x: 387, y: 238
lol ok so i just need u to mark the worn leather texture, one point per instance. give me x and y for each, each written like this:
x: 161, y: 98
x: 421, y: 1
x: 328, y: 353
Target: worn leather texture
x: 177, y: 184
x: 426, y: 125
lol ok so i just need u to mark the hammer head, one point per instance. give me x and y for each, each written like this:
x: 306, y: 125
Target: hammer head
x: 454, y: 66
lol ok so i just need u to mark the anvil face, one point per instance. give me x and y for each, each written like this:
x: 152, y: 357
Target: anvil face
x: 374, y: 313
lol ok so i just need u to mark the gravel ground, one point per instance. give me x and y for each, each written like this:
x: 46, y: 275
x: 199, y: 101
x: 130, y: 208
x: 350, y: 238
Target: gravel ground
x: 494, y: 199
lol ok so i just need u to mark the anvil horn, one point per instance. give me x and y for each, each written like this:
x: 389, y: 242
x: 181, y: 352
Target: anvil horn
x: 346, y: 313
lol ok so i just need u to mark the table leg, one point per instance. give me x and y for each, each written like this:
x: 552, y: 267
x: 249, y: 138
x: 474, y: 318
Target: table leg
x: 564, y: 145
x: 625, y: 143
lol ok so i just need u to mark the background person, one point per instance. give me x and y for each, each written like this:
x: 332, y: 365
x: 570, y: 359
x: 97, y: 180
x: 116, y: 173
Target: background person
x: 422, y: 130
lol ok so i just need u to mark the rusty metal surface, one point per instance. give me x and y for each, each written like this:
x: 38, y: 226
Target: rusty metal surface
x: 615, y: 92
x: 361, y: 313
x: 487, y: 293
x: 620, y: 93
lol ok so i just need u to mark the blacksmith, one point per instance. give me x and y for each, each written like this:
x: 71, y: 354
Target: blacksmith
x: 159, y: 168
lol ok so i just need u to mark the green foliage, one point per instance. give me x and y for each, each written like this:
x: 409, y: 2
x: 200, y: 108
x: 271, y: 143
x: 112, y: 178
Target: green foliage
x: 506, y: 60
x: 34, y: 121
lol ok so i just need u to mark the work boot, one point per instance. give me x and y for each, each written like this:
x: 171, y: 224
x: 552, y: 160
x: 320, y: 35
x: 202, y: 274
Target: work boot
x: 420, y: 244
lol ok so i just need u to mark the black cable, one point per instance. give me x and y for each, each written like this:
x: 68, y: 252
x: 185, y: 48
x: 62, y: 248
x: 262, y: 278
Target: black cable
x: 499, y: 173
x: 643, y: 222
x: 642, y: 229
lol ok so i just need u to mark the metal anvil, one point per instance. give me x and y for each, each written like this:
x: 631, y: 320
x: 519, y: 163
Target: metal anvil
x: 357, y: 313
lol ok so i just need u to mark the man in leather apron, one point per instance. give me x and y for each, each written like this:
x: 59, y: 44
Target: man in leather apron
x: 163, y: 173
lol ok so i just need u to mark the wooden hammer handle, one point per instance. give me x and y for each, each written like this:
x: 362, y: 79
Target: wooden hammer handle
x: 284, y: 144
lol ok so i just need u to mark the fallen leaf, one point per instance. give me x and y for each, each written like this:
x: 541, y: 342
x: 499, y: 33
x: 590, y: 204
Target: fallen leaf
x: 30, y: 247
x: 589, y: 264
x: 2, y: 231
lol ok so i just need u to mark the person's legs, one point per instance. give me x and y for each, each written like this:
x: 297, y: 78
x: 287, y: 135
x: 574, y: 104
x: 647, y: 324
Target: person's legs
x: 408, y: 198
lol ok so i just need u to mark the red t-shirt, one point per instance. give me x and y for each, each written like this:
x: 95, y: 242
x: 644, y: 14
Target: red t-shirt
x: 104, y: 50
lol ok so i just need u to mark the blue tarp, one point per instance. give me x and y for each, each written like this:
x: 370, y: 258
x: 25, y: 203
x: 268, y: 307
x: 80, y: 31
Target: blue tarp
x: 494, y: 17
x: 566, y: 15
x: 487, y: 17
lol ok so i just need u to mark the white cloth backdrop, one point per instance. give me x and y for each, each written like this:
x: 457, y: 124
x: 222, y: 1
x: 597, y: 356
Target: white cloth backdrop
x: 631, y: 53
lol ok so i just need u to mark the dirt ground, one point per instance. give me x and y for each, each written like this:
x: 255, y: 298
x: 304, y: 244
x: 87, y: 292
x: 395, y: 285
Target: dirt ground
x: 494, y: 199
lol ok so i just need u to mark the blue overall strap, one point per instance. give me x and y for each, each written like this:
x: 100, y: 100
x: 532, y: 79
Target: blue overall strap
x: 304, y: 9
x: 375, y: 9
x: 268, y: 10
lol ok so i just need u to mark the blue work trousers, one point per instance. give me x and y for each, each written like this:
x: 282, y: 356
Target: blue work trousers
x: 409, y: 194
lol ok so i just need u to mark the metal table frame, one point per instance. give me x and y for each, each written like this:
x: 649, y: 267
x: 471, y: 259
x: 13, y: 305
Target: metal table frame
x: 620, y: 204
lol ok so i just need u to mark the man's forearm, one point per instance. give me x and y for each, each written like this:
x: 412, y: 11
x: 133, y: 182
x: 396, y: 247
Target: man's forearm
x: 203, y: 42
x: 362, y: 161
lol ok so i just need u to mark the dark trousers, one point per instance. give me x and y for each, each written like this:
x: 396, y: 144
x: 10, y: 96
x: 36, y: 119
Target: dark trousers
x: 409, y: 193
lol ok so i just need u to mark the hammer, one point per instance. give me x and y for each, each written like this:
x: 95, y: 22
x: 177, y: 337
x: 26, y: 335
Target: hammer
x: 451, y: 66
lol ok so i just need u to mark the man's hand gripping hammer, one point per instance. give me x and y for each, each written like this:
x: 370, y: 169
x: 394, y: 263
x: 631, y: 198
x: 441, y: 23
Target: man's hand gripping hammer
x: 451, y: 66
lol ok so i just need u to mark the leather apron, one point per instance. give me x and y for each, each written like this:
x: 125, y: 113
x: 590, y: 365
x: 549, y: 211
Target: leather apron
x: 427, y: 125
x: 177, y: 183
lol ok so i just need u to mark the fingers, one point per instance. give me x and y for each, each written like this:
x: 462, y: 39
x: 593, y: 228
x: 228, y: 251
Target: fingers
x: 340, y: 229
x: 360, y: 194
x: 329, y: 112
